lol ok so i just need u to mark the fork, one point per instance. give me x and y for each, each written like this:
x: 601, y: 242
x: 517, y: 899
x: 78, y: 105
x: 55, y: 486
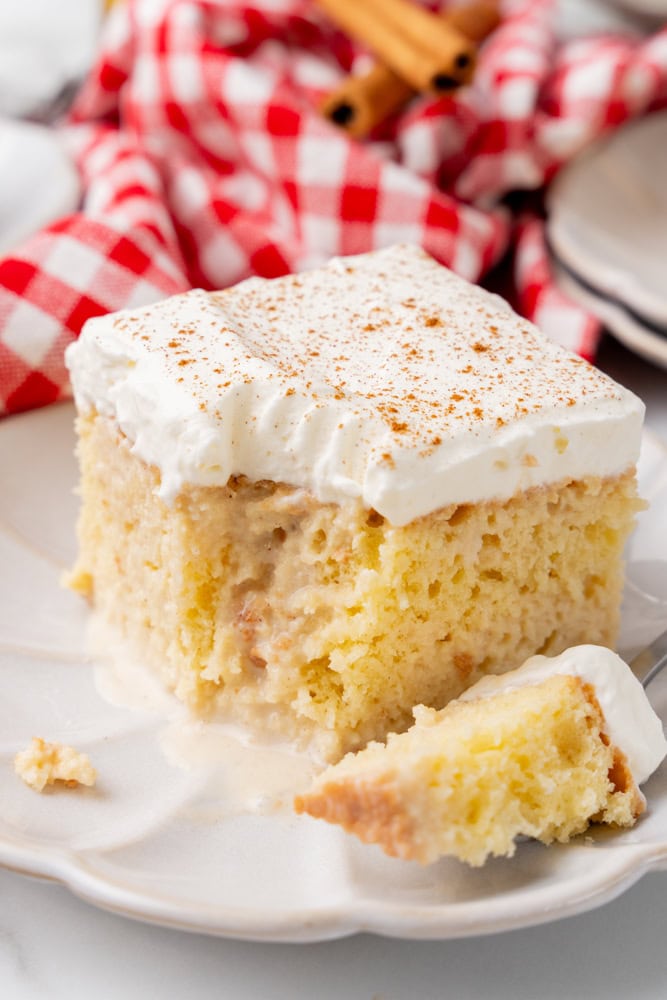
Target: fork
x: 648, y: 664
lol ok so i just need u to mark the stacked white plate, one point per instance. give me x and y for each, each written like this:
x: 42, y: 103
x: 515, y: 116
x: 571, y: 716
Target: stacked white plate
x: 650, y: 8
x: 607, y: 232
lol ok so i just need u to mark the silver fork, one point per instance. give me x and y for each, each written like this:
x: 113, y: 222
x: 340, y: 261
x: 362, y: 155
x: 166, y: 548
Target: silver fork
x: 648, y: 664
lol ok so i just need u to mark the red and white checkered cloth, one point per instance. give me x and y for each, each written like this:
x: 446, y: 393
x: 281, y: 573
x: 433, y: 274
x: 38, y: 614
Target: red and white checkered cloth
x: 204, y: 160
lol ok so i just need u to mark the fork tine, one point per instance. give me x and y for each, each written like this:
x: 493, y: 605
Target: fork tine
x: 648, y: 664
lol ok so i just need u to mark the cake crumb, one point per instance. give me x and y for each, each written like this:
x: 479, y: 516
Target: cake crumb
x: 43, y: 764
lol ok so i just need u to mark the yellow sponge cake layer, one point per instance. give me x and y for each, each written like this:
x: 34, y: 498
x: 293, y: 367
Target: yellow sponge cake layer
x: 320, y: 500
x: 467, y: 781
x: 325, y: 620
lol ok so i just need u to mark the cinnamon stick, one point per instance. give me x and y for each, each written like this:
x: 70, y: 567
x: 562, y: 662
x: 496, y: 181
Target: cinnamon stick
x: 474, y: 20
x: 361, y: 103
x: 422, y: 48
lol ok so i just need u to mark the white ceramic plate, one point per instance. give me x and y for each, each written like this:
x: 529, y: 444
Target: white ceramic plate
x: 623, y: 325
x: 607, y: 218
x: 169, y: 843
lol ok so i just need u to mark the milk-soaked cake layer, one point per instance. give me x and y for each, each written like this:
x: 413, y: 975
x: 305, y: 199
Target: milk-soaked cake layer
x: 630, y: 721
x: 541, y: 751
x: 383, y: 377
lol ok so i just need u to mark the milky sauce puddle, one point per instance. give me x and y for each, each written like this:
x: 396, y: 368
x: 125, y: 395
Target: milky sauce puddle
x: 234, y: 771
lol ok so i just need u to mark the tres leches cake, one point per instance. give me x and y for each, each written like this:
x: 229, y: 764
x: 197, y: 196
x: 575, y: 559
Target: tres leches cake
x: 541, y: 751
x: 320, y: 500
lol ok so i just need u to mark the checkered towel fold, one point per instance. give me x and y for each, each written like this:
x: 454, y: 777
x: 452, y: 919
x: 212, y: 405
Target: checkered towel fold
x: 204, y: 160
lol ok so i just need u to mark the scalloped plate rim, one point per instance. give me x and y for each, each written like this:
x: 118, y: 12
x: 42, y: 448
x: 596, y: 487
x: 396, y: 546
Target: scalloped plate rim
x: 619, y: 866
x: 328, y: 923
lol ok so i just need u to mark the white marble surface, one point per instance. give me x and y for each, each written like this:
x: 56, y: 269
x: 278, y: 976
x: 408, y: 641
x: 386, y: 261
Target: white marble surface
x: 54, y: 946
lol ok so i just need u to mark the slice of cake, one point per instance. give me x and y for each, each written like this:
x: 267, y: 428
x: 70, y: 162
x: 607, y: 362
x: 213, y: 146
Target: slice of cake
x: 320, y: 500
x: 542, y: 751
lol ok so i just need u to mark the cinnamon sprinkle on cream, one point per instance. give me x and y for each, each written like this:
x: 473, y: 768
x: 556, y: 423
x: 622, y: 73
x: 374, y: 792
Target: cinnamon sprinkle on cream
x: 333, y: 382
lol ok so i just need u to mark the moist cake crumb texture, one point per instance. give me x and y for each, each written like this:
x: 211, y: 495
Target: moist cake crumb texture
x: 469, y: 780
x: 532, y: 752
x: 43, y: 764
x: 318, y: 501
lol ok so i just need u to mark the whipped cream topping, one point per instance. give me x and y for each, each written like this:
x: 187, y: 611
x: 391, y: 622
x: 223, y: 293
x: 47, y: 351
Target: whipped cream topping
x: 631, y: 723
x: 383, y: 377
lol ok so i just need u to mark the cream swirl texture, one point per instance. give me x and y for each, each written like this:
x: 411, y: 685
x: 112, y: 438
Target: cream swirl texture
x: 383, y: 377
